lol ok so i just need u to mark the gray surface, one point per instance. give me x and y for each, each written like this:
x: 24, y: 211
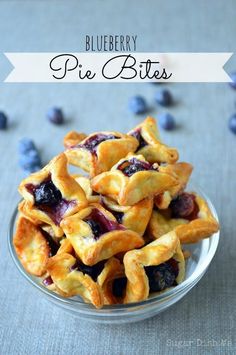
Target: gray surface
x: 28, y: 323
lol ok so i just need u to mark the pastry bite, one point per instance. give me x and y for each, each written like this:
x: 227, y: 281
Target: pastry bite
x: 112, y: 281
x: 188, y: 215
x: 150, y: 145
x: 182, y: 171
x: 72, y: 278
x: 73, y: 138
x: 154, y: 268
x: 96, y: 235
x: 100, y: 151
x: 132, y: 179
x: 134, y: 217
x: 52, y: 194
x: 31, y: 246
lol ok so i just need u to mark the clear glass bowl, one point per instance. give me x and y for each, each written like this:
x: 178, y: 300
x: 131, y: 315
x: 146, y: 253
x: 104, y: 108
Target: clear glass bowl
x: 196, y: 266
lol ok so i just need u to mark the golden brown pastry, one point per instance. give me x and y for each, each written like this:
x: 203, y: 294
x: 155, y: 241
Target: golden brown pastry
x: 134, y: 217
x: 100, y: 151
x: 73, y: 138
x: 150, y: 145
x: 71, y: 278
x: 52, y: 194
x: 154, y: 268
x: 31, y: 247
x: 132, y: 179
x: 85, y: 183
x: 96, y: 235
x: 110, y: 280
x: 182, y: 172
x: 190, y: 217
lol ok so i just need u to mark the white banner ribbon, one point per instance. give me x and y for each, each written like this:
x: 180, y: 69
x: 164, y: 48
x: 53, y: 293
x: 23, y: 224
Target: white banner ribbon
x: 117, y: 67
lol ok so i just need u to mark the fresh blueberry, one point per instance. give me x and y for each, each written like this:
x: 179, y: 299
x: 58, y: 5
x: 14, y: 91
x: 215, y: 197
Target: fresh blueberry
x: 55, y: 115
x: 25, y: 145
x: 138, y: 105
x: 232, y: 123
x: 3, y: 120
x: 30, y: 161
x: 164, y: 98
x: 233, y: 78
x: 167, y: 121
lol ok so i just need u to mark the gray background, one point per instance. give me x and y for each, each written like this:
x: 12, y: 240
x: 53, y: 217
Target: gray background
x: 28, y: 323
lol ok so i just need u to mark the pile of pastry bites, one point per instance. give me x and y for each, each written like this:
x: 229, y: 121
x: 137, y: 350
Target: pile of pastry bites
x: 114, y: 234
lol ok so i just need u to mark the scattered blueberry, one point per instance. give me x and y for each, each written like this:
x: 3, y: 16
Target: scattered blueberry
x: 164, y: 98
x: 233, y: 78
x: 138, y: 105
x: 167, y: 121
x: 25, y: 145
x: 30, y: 160
x: 232, y: 123
x: 55, y: 115
x: 3, y: 120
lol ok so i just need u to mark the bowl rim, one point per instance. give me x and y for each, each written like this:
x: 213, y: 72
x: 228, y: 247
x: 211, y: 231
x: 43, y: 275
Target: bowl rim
x: 84, y: 307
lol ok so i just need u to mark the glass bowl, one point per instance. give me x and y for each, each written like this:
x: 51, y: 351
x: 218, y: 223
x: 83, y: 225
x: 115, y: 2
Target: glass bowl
x: 201, y: 255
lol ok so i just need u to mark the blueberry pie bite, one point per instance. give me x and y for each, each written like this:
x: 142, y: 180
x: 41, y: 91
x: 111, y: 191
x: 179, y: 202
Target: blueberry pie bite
x: 150, y: 145
x: 72, y: 278
x: 73, y: 138
x: 154, y: 268
x: 188, y: 215
x: 132, y: 179
x: 52, y: 194
x: 96, y: 235
x: 100, y: 151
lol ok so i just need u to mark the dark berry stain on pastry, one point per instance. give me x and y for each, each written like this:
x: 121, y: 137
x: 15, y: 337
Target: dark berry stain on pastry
x: 162, y: 276
x: 119, y: 286
x: 132, y: 166
x: 93, y: 271
x: 100, y: 224
x: 92, y: 143
x: 53, y: 245
x: 49, y: 199
x: 48, y: 281
x: 137, y: 134
x: 184, y: 206
x: 118, y: 215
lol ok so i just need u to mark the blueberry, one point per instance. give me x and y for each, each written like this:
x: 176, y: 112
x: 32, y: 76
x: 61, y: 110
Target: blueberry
x: 47, y: 194
x: 30, y: 161
x: 25, y: 145
x: 167, y: 121
x: 232, y: 123
x: 138, y: 105
x: 233, y: 78
x: 160, y: 276
x: 164, y: 98
x: 3, y: 120
x: 55, y: 115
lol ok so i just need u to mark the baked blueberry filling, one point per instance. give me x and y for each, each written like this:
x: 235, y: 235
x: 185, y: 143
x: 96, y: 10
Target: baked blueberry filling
x: 132, y: 166
x: 100, y: 225
x: 93, y: 271
x: 184, y: 206
x: 137, y: 134
x: 119, y: 286
x: 162, y: 276
x: 49, y: 199
x: 92, y: 143
x: 53, y: 245
x: 48, y: 281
